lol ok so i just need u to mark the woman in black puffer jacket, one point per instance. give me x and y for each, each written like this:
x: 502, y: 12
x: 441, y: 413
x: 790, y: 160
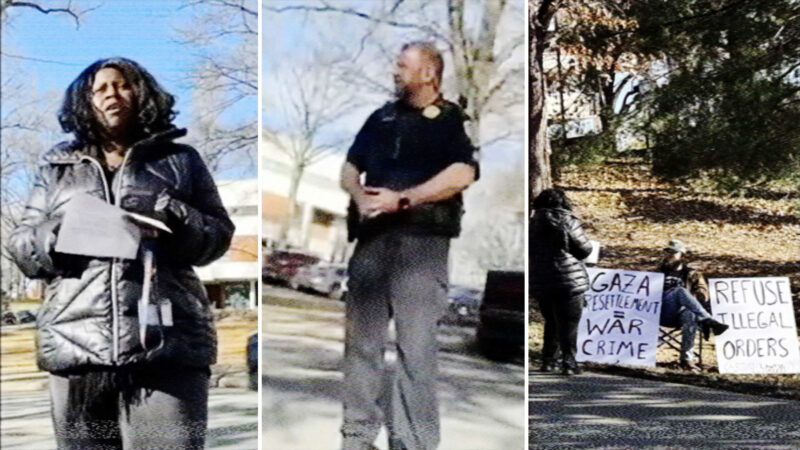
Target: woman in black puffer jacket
x: 558, y: 277
x: 120, y: 377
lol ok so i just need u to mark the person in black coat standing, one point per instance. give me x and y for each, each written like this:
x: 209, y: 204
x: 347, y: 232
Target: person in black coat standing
x: 558, y: 276
x: 128, y: 346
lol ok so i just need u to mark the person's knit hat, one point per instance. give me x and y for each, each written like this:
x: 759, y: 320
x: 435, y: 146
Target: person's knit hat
x: 676, y: 246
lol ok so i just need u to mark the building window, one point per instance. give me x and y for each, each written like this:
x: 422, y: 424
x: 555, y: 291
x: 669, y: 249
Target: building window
x: 323, y: 218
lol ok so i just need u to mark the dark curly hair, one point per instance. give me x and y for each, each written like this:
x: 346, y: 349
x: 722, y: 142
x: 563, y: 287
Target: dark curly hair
x: 552, y: 198
x: 154, y: 104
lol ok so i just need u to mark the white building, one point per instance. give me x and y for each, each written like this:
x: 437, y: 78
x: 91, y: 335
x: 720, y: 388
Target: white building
x: 232, y: 279
x: 319, y: 225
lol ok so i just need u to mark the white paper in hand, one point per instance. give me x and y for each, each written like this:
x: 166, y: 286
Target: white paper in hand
x: 593, y: 257
x: 92, y: 227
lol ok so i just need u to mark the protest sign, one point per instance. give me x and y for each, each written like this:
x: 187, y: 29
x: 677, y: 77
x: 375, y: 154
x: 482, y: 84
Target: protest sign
x: 762, y: 337
x: 619, y: 323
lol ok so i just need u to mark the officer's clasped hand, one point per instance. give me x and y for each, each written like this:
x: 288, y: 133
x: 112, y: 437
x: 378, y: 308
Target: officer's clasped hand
x: 379, y: 201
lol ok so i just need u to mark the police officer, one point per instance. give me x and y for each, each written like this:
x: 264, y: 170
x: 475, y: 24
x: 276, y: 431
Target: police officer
x: 417, y: 159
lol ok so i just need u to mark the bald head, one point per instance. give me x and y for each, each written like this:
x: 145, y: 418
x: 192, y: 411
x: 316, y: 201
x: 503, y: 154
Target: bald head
x: 429, y: 54
x: 418, y: 73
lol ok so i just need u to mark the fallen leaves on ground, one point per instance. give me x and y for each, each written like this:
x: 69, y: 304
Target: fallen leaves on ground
x: 634, y: 215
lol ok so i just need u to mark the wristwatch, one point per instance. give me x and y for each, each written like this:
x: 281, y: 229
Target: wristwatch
x: 403, y: 203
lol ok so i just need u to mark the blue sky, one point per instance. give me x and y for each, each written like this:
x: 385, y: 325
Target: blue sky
x: 142, y: 30
x: 55, y: 51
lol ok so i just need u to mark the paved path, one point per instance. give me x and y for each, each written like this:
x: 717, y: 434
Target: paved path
x: 233, y: 414
x: 604, y: 411
x: 482, y: 401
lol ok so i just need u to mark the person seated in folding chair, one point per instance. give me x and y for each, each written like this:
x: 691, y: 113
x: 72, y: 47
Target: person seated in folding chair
x: 684, y: 291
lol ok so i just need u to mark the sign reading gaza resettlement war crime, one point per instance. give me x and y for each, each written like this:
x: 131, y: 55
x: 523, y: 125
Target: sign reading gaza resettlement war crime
x: 762, y: 337
x: 619, y: 323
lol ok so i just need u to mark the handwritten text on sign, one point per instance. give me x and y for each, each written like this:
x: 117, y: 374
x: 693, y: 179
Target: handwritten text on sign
x: 619, y: 323
x: 762, y: 337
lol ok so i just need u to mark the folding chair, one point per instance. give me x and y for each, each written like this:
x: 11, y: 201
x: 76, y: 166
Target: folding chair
x: 671, y: 338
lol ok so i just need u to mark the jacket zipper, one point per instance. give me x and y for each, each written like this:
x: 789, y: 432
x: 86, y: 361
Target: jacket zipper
x: 114, y: 301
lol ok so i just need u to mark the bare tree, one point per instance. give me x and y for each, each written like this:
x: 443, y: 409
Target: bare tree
x: 50, y: 7
x: 483, y: 45
x: 223, y: 35
x: 310, y: 102
x: 27, y: 127
x: 485, y: 64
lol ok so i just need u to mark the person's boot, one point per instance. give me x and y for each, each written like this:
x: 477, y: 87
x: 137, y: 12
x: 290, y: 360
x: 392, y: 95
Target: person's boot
x: 715, y: 326
x: 548, y: 365
x: 395, y: 444
x: 690, y: 366
x: 570, y: 367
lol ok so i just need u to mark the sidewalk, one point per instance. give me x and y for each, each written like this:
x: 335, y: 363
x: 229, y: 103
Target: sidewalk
x: 25, y: 422
x: 607, y: 411
x: 482, y: 402
x: 25, y: 407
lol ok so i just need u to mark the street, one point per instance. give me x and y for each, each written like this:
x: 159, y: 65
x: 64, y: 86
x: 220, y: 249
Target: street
x: 233, y: 422
x: 25, y: 406
x: 482, y: 402
x: 606, y: 411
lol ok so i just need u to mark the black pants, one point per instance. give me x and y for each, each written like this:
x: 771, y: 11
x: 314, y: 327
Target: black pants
x: 562, y: 313
x: 164, y: 408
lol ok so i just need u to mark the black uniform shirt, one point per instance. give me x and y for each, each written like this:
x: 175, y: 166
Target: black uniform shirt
x: 398, y: 147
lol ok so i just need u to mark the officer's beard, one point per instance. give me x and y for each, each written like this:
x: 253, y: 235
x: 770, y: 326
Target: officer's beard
x: 401, y: 91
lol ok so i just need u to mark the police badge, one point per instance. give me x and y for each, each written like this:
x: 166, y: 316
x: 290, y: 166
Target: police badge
x: 431, y: 111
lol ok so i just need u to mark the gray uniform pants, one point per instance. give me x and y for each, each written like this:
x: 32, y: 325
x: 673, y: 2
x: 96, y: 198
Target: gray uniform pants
x: 404, y: 277
x: 160, y: 409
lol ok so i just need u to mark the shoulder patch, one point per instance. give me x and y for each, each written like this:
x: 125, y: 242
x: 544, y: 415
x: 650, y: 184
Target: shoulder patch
x: 386, y: 113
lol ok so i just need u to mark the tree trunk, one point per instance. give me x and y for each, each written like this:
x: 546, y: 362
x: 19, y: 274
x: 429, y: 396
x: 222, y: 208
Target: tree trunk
x: 473, y: 60
x: 607, y: 113
x: 540, y: 177
x: 294, y: 185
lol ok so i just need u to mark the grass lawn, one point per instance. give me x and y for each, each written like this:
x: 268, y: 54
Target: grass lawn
x: 18, y: 371
x: 634, y: 215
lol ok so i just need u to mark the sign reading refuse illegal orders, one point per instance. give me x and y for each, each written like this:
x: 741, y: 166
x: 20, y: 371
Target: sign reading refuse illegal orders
x: 762, y: 337
x: 619, y: 323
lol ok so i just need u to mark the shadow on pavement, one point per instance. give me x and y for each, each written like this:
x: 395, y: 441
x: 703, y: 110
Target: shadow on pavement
x: 302, y: 384
x: 604, y: 411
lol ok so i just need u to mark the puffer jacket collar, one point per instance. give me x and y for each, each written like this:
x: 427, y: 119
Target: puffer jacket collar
x: 73, y: 152
x: 554, y: 216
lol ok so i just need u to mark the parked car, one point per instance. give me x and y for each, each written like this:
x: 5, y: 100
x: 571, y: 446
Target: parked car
x: 323, y: 277
x: 18, y: 318
x: 463, y: 305
x: 252, y: 361
x: 9, y: 318
x: 280, y: 266
x: 26, y: 316
x: 501, y: 330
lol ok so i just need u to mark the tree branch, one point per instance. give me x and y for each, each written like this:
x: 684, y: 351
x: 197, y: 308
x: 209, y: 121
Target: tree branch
x: 27, y: 4
x: 325, y: 7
